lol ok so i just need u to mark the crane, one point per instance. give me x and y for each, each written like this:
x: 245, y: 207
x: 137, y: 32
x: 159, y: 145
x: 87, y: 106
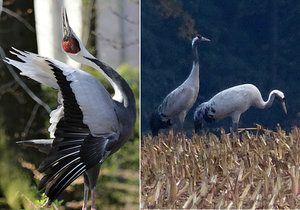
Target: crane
x: 177, y: 103
x: 88, y: 125
x: 232, y: 102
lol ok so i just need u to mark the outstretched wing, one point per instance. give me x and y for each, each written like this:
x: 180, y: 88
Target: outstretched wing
x: 75, y: 147
x: 93, y: 99
x: 86, y: 126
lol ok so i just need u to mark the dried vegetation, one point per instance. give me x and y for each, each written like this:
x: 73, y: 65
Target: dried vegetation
x: 261, y: 171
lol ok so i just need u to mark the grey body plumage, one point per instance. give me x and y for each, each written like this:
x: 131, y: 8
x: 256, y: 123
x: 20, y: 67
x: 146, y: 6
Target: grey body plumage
x: 232, y: 102
x: 176, y: 104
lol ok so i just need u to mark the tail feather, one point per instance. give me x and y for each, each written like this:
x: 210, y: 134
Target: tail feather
x: 43, y: 145
x: 63, y: 181
x: 59, y: 156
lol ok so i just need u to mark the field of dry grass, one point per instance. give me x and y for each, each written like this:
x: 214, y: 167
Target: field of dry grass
x: 262, y: 171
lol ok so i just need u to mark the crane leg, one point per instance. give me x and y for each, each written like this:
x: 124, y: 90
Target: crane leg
x: 235, y: 123
x: 93, y: 197
x: 85, y: 196
x: 181, y: 118
x: 235, y: 127
x: 92, y: 176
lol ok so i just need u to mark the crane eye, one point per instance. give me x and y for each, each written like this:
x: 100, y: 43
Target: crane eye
x: 70, y: 45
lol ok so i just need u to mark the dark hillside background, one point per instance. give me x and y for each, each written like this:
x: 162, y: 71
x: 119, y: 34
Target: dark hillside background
x: 252, y: 42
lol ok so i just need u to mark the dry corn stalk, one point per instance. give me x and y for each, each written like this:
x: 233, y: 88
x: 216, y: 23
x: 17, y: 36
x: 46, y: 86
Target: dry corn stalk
x: 204, y: 171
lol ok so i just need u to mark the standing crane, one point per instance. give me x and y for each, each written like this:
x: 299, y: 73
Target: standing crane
x: 177, y: 103
x: 232, y: 102
x: 88, y: 125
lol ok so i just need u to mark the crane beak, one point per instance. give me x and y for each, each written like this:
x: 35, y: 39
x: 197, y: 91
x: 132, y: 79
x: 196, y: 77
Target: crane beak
x: 66, y: 26
x: 284, y: 107
x: 203, y: 39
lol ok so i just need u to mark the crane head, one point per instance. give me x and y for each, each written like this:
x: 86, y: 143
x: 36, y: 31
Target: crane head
x: 71, y: 44
x: 283, y: 105
x: 280, y: 95
x: 199, y: 38
x: 282, y: 101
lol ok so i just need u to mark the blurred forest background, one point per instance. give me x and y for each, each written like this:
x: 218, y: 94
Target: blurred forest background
x: 252, y: 42
x: 110, y: 31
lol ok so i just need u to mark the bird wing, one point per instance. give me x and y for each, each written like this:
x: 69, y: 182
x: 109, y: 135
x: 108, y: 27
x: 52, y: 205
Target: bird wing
x: 34, y: 67
x: 182, y: 98
x: 93, y: 99
x: 231, y: 100
x: 87, y: 123
x: 75, y: 148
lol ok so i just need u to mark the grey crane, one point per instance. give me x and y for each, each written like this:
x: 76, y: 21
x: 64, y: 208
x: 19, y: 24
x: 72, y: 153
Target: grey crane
x: 232, y: 102
x: 88, y: 125
x: 177, y: 103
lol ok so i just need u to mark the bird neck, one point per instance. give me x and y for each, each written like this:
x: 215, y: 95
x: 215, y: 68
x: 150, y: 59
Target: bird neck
x: 269, y: 102
x: 194, y: 75
x: 195, y: 52
x: 123, y: 92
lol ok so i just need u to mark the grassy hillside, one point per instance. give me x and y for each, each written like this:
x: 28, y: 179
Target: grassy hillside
x: 261, y: 171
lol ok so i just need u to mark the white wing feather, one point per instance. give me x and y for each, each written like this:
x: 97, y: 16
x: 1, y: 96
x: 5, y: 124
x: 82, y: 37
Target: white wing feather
x: 94, y: 101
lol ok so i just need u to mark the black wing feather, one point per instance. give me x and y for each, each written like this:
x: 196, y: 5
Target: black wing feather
x: 74, y: 149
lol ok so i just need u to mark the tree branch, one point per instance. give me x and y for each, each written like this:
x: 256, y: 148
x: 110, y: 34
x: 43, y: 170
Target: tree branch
x: 123, y: 17
x: 115, y: 44
x: 31, y: 118
x: 19, y: 18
